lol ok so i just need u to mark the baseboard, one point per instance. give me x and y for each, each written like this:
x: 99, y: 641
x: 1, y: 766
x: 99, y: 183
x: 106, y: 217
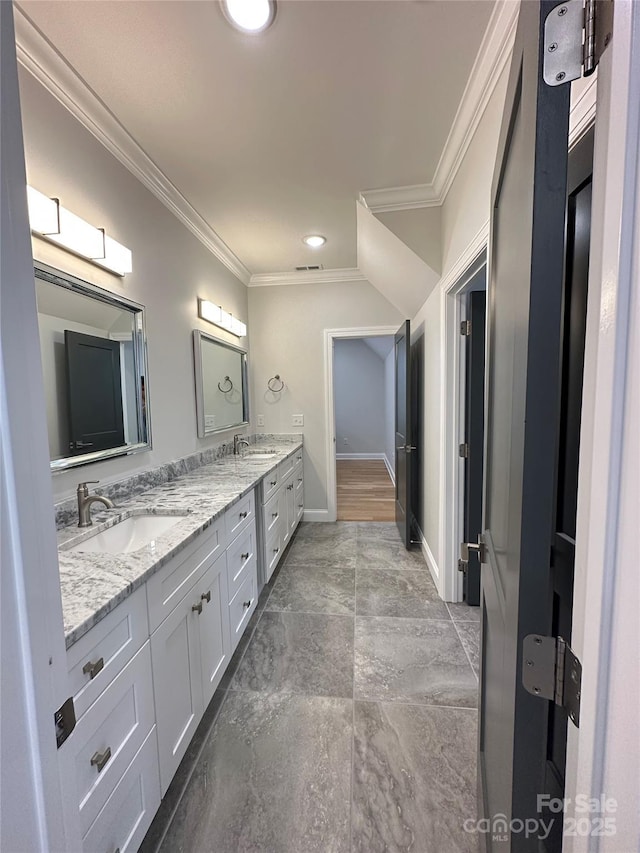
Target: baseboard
x: 429, y: 559
x: 360, y: 456
x: 316, y: 515
x: 392, y: 473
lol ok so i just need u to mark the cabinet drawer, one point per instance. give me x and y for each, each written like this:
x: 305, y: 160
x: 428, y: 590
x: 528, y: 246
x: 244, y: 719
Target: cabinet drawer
x: 285, y: 468
x: 107, y: 737
x: 271, y: 514
x: 297, y: 458
x: 127, y: 814
x: 273, y: 550
x: 241, y: 556
x: 269, y: 484
x: 240, y: 515
x: 95, y: 660
x: 243, y: 605
x: 168, y: 587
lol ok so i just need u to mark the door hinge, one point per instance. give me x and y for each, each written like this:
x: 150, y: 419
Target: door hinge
x: 576, y: 34
x: 463, y: 450
x: 465, y: 328
x: 552, y: 671
x: 65, y: 721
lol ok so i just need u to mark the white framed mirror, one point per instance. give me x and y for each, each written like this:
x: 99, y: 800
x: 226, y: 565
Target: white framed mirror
x: 94, y: 367
x: 222, y: 392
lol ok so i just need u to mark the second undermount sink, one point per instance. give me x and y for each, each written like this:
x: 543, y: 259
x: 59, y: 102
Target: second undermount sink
x: 130, y: 534
x: 257, y: 455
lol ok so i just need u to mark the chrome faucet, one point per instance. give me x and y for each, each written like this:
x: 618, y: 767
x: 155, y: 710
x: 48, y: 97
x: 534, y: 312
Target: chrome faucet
x: 238, y: 440
x: 84, y: 503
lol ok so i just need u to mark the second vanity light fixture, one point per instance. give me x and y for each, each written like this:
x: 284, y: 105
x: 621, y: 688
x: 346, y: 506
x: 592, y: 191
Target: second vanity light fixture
x: 219, y: 317
x: 49, y: 219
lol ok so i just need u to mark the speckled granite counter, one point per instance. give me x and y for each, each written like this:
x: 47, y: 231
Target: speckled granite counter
x: 93, y: 584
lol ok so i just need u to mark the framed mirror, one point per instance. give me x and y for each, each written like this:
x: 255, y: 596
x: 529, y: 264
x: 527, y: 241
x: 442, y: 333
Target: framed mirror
x: 94, y: 366
x: 222, y: 392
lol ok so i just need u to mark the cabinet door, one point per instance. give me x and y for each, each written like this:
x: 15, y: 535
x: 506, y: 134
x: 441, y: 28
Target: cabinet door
x: 298, y: 491
x: 177, y: 681
x: 213, y: 627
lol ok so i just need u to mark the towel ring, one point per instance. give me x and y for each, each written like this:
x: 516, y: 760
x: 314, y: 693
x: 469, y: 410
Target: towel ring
x: 226, y: 390
x: 273, y: 379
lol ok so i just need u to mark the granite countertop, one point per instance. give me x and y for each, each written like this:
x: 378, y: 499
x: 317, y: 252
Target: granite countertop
x: 92, y: 584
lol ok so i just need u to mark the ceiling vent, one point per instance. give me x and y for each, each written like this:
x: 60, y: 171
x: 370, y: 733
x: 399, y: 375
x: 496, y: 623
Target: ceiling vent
x: 309, y: 267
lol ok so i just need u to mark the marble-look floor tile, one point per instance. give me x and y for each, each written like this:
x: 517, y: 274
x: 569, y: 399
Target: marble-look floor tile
x: 412, y: 660
x: 414, y: 779
x: 392, y: 593
x: 385, y: 554
x: 463, y: 612
x: 323, y: 551
x: 306, y: 653
x: 385, y: 531
x: 274, y: 777
x: 326, y: 530
x: 314, y: 590
x: 470, y: 636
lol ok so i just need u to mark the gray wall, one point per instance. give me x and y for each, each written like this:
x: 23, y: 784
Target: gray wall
x: 171, y: 268
x: 358, y: 385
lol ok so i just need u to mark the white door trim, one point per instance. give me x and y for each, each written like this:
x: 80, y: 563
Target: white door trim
x: 603, y: 755
x: 452, y: 390
x: 330, y: 425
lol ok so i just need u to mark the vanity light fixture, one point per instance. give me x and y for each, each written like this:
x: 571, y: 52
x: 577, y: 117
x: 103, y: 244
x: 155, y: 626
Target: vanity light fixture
x: 219, y: 317
x: 314, y: 241
x: 50, y: 220
x: 250, y: 16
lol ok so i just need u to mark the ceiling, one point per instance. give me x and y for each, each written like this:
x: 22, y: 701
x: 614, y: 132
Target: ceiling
x: 273, y: 136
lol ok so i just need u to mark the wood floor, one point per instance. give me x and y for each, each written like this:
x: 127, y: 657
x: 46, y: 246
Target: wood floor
x: 365, y: 490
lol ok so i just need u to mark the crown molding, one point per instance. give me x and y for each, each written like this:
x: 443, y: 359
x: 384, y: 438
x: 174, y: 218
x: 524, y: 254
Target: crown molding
x: 493, y: 54
x: 43, y: 61
x: 274, y: 279
x: 400, y: 198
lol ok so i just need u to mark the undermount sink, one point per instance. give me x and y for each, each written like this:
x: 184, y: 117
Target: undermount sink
x: 130, y: 534
x: 260, y: 455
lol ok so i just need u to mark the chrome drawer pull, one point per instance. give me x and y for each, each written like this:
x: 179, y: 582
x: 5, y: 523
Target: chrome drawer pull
x: 274, y: 515
x: 197, y: 608
x: 206, y: 596
x: 99, y: 759
x: 273, y: 482
x: 247, y: 604
x: 243, y: 515
x: 244, y: 556
x: 275, y: 550
x: 92, y: 669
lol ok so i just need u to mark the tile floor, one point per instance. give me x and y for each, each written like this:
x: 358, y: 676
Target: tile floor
x: 346, y: 722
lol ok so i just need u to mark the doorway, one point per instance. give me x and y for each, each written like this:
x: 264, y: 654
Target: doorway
x: 360, y: 389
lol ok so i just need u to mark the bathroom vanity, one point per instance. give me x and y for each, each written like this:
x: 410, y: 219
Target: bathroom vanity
x: 150, y: 628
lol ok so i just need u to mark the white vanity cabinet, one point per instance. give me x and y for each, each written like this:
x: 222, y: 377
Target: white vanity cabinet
x: 282, y: 510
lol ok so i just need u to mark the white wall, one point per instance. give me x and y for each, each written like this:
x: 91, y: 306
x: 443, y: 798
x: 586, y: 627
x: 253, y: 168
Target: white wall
x: 287, y: 337
x: 390, y: 412
x: 171, y: 269
x: 358, y: 385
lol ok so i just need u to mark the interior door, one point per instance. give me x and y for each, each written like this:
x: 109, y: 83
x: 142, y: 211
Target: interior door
x: 404, y: 448
x: 523, y: 395
x: 94, y: 386
x: 474, y: 436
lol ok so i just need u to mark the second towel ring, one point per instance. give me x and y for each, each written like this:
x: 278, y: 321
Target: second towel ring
x: 226, y: 390
x: 273, y: 379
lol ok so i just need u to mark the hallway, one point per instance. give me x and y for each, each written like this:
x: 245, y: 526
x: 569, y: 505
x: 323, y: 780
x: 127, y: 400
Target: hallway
x: 364, y: 490
x: 347, y: 718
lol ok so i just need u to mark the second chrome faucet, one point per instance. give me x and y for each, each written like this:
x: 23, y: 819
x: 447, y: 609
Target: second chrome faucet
x: 85, y: 500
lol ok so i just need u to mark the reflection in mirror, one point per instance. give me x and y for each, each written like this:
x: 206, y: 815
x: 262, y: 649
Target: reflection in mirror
x: 94, y: 369
x: 221, y: 384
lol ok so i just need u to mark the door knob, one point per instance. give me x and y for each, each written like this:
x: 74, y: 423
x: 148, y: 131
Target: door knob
x: 409, y: 447
x: 478, y: 548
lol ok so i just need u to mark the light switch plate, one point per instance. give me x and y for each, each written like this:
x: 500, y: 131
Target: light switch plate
x: 297, y: 420
x: 260, y: 420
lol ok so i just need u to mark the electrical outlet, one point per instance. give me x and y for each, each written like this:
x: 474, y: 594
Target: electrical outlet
x: 345, y: 440
x: 260, y: 420
x: 297, y: 420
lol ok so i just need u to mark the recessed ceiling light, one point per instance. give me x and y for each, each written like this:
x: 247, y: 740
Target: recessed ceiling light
x: 314, y: 240
x: 250, y: 16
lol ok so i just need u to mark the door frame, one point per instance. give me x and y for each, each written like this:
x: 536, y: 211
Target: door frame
x: 330, y: 335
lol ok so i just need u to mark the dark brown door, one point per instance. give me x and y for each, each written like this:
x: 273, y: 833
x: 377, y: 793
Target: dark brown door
x: 525, y: 299
x: 474, y: 436
x: 403, y: 429
x: 95, y: 393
